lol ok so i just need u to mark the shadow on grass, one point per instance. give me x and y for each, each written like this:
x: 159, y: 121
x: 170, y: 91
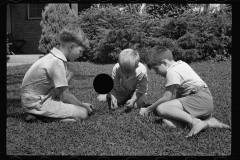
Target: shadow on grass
x: 35, y: 118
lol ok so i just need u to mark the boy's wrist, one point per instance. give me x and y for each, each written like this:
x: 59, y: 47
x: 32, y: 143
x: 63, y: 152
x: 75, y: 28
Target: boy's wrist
x: 149, y: 109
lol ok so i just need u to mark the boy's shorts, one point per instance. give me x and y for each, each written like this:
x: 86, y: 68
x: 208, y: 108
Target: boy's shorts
x: 122, y: 99
x: 199, y: 105
x: 45, y: 105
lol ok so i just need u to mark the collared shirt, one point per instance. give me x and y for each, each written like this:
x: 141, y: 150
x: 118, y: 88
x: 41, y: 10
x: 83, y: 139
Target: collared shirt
x: 181, y: 74
x: 128, y: 85
x: 58, y: 54
x: 48, y: 72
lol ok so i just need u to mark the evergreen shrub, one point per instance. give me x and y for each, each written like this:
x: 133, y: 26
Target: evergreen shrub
x: 54, y: 18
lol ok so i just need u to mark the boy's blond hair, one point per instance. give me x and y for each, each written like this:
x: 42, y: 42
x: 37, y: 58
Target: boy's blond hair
x: 156, y: 55
x: 74, y: 34
x: 128, y: 59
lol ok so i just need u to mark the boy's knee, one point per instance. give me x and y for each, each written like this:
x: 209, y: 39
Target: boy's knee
x: 80, y: 113
x: 161, y: 109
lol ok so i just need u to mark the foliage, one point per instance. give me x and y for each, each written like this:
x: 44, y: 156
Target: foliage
x: 194, y: 36
x: 54, y: 18
x: 118, y: 133
x: 111, y: 31
x: 164, y: 10
x: 209, y: 34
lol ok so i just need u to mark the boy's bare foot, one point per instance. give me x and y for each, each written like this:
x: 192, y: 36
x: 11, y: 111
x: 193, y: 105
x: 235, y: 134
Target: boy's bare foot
x: 214, y: 123
x: 197, y: 126
x: 29, y: 117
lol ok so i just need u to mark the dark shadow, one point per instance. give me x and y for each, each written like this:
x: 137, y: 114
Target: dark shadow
x: 158, y: 120
x: 127, y: 110
x: 14, y: 102
x: 146, y: 105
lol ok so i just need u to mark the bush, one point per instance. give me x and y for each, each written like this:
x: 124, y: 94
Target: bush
x: 110, y: 31
x: 54, y: 18
x: 208, y: 34
x: 191, y: 36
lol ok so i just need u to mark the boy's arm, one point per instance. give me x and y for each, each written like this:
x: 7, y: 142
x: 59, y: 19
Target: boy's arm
x: 116, y: 76
x: 70, y: 72
x: 141, y: 87
x: 166, y: 97
x: 136, y: 95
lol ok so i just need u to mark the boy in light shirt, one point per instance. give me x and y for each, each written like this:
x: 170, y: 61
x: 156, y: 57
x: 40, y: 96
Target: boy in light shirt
x: 44, y: 90
x: 193, y: 104
x: 130, y: 82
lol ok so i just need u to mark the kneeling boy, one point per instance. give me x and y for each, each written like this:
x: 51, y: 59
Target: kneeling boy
x: 130, y: 82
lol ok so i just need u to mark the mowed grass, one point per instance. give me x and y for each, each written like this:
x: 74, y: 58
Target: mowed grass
x: 117, y: 132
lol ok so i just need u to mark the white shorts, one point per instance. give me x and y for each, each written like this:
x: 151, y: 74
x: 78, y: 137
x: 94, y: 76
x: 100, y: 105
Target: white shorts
x: 46, y: 105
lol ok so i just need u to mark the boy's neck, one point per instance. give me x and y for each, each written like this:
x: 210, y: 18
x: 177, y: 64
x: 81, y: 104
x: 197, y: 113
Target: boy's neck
x: 169, y: 63
x: 63, y: 50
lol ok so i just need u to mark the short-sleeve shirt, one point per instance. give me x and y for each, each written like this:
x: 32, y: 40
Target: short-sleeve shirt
x: 128, y: 85
x: 47, y: 73
x: 186, y: 79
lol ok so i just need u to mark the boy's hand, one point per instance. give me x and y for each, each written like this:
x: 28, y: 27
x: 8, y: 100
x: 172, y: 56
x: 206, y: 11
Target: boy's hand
x: 144, y: 112
x: 113, y: 103
x: 129, y: 103
x: 89, y: 107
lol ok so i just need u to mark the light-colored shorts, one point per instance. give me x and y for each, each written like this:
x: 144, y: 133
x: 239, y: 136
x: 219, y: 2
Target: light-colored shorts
x: 199, y: 105
x: 122, y: 99
x: 46, y: 105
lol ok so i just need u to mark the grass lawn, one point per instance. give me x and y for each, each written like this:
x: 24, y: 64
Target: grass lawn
x: 117, y: 132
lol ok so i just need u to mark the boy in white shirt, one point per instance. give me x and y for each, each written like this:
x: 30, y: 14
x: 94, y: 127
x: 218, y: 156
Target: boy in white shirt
x: 44, y: 90
x: 130, y: 82
x: 193, y: 104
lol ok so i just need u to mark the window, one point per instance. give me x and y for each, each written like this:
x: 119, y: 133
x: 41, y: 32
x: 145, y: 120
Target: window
x: 35, y: 10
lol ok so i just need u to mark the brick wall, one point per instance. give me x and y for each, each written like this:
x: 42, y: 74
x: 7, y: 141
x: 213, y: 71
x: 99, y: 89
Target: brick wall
x: 24, y: 28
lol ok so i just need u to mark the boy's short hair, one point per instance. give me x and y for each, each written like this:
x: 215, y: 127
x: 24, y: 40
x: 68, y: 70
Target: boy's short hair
x: 156, y: 55
x: 128, y: 60
x: 75, y: 35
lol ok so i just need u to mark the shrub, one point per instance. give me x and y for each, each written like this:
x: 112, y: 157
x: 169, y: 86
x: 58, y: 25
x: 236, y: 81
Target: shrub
x: 54, y: 18
x: 209, y: 34
x: 191, y: 36
x: 111, y: 31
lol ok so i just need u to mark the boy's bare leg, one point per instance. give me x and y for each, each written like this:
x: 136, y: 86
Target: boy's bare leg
x: 70, y: 76
x: 174, y: 110
x: 172, y: 123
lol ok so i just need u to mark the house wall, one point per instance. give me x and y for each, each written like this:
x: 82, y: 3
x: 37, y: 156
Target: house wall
x: 24, y: 28
x: 29, y: 29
